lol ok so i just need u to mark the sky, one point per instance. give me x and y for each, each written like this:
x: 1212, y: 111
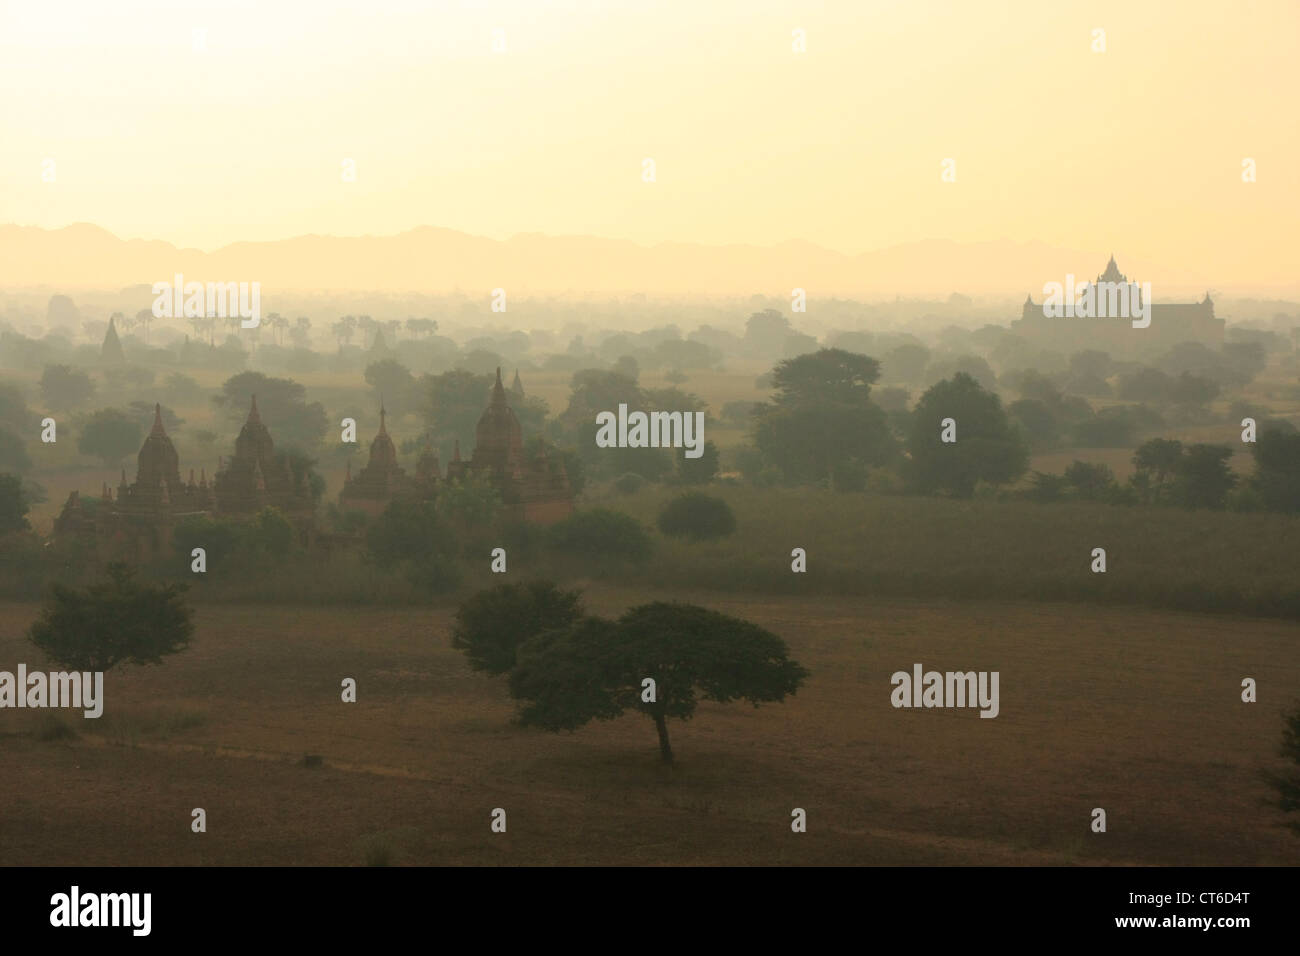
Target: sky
x: 245, y: 137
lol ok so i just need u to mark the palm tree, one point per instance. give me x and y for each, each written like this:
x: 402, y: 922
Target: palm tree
x: 301, y: 334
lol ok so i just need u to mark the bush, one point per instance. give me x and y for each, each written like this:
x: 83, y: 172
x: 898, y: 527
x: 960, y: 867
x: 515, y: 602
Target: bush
x: 602, y: 534
x: 629, y: 483
x: 697, y: 516
x: 491, y: 625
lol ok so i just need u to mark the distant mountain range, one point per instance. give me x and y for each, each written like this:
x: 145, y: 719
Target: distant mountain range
x: 432, y: 260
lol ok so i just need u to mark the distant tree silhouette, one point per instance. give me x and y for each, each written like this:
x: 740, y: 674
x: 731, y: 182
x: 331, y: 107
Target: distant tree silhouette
x: 108, y: 623
x: 110, y: 435
x: 63, y: 387
x: 987, y: 448
x: 13, y: 505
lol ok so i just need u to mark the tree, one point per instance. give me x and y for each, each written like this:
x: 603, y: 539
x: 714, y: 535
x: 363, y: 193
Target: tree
x: 987, y: 447
x: 491, y: 625
x: 408, y: 534
x: 13, y: 453
x: 821, y: 423
x: 1288, y: 787
x: 64, y: 387
x: 698, y: 471
x: 110, y: 435
x: 13, y: 505
x: 1277, y: 469
x: 114, y: 621
x: 394, y: 383
x: 1091, y: 482
x: 453, y: 403
x: 906, y: 363
x: 598, y: 669
x: 422, y: 328
x: 1157, y: 461
x: 282, y: 404
x: 1145, y: 385
x: 300, y: 335
x: 698, y: 516
x: 143, y: 412
x: 1204, y: 478
x: 601, y: 536
x: 1192, y: 389
x: 766, y: 332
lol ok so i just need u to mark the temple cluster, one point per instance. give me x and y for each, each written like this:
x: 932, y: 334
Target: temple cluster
x: 138, y: 520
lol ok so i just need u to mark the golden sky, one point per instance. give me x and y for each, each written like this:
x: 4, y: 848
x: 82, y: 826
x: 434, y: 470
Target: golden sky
x: 1139, y: 147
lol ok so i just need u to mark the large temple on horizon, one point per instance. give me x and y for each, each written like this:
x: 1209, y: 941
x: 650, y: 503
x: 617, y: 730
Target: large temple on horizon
x: 1171, y: 323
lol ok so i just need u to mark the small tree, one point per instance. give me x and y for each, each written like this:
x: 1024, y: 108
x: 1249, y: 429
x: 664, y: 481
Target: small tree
x: 1204, y: 478
x: 409, y: 534
x: 63, y: 386
x: 602, y: 535
x: 697, y: 516
x: 114, y: 621
x: 1288, y: 787
x: 698, y: 471
x: 599, y: 668
x: 110, y: 435
x: 13, y: 505
x: 491, y: 625
x: 987, y: 447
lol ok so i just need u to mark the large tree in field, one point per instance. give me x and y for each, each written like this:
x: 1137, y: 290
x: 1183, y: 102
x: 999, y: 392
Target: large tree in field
x: 118, y: 620
x: 491, y: 625
x: 660, y: 659
x: 987, y: 447
x: 822, y: 423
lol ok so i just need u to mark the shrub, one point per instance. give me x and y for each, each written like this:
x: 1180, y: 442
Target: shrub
x: 629, y: 483
x: 602, y: 534
x: 697, y: 516
x: 491, y: 625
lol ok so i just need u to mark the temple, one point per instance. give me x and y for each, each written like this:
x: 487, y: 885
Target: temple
x: 534, y: 488
x: 383, y: 479
x: 1171, y: 323
x: 139, y: 522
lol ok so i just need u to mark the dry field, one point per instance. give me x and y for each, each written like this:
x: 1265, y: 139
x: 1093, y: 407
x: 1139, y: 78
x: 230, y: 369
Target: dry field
x: 1135, y: 711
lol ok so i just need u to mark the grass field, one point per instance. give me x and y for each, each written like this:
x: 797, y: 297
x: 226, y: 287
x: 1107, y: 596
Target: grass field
x: 1137, y: 712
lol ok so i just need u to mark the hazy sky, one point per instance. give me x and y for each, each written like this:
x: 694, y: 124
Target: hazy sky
x: 1138, y: 148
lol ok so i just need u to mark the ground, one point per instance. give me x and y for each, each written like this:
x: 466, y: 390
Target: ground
x: 1135, y: 711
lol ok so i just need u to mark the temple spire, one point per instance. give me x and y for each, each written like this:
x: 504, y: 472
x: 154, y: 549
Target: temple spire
x: 253, y: 416
x: 498, y: 390
x: 383, y: 430
x: 157, y: 421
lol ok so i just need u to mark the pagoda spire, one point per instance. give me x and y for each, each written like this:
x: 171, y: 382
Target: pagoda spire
x: 498, y: 390
x: 253, y: 417
x: 158, y: 429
